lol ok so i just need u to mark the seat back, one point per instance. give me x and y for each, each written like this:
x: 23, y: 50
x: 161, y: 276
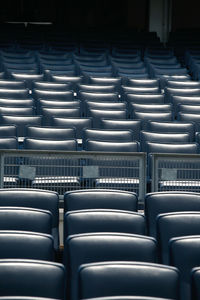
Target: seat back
x: 12, y: 84
x: 192, y: 148
x: 191, y: 117
x: 45, y: 85
x: 165, y: 202
x: 28, y: 78
x: 47, y: 200
x: 98, y: 114
x: 49, y: 113
x: 9, y: 143
x: 103, y: 220
x: 195, y: 283
x: 26, y: 245
x: 78, y: 123
x: 32, y: 278
x: 176, y: 224
x: 134, y: 125
x: 25, y: 219
x: 128, y: 279
x: 95, y: 145
x: 16, y: 94
x: 154, y: 116
x: 98, y: 198
x: 170, y: 127
x: 116, y: 135
x: 21, y: 111
x: 52, y: 94
x: 188, y: 246
x: 52, y: 133
x: 44, y: 144
x: 21, y: 122
x: 96, y: 88
x: 148, y: 136
x: 104, y: 247
x: 82, y: 95
x: 144, y: 99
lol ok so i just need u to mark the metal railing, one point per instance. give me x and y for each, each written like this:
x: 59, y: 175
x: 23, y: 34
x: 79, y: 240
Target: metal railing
x: 63, y: 171
x: 175, y: 172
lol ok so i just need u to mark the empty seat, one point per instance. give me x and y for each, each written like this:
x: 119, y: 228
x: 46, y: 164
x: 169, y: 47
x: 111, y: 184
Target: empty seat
x: 8, y: 131
x: 195, y: 280
x: 52, y: 133
x: 20, y: 111
x: 52, y: 94
x: 149, y: 136
x: 176, y: 224
x: 56, y: 104
x: 48, y: 113
x: 25, y: 219
x: 183, y: 84
x: 21, y: 122
x: 190, y: 117
x: 104, y: 247
x: 128, y: 279
x: 143, y: 82
x: 103, y: 220
x: 153, y: 116
x: 153, y: 147
x: 50, y: 144
x: 163, y: 78
x: 150, y: 107
x: 98, y: 114
x: 12, y: 84
x: 134, y: 125
x: 15, y: 94
x: 165, y: 202
x: 92, y: 96
x: 184, y: 254
x: 29, y: 79
x: 109, y: 135
x: 190, y: 100
x: 9, y: 143
x: 32, y: 198
x: 144, y: 98
x: 140, y: 90
x: 169, y: 92
x: 187, y: 108
x: 172, y: 127
x: 96, y: 88
x: 34, y: 278
x: 46, y: 85
x: 26, y: 245
x: 17, y: 102
x: 103, y: 105
x: 96, y: 145
x: 98, y: 198
x: 105, y: 81
x: 78, y: 123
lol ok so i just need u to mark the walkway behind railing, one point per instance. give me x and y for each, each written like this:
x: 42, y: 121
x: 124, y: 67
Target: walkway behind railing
x: 175, y: 172
x: 64, y: 171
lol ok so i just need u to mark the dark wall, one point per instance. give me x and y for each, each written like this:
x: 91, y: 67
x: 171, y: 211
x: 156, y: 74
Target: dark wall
x: 185, y: 14
x: 76, y: 13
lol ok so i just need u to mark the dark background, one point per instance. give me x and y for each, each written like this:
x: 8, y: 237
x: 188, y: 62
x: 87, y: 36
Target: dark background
x: 126, y: 14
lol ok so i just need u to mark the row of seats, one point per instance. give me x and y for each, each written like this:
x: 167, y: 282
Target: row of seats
x: 126, y: 61
x: 105, y: 239
x: 64, y: 139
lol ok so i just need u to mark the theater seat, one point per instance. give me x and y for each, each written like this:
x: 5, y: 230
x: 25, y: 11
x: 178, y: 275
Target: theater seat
x: 128, y: 279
